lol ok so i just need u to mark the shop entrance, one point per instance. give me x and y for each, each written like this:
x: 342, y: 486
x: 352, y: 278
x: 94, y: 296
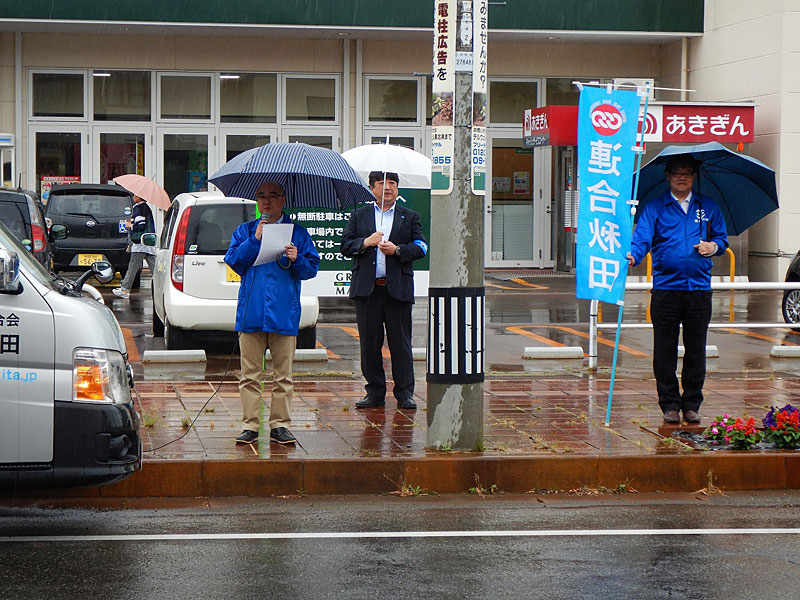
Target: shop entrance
x: 518, y: 221
x: 565, y: 205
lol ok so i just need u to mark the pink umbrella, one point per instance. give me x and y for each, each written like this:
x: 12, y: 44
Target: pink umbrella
x: 145, y: 188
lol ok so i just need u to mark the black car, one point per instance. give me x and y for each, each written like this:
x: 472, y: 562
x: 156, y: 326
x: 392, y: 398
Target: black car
x: 791, y: 298
x: 19, y: 211
x: 95, y: 216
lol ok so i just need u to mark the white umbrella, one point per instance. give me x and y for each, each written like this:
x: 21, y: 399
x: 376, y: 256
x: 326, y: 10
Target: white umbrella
x: 413, y: 168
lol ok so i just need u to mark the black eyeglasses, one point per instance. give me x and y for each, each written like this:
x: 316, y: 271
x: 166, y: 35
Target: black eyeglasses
x: 682, y: 174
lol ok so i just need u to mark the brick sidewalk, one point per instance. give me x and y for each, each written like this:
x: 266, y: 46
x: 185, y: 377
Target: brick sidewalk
x: 540, y: 434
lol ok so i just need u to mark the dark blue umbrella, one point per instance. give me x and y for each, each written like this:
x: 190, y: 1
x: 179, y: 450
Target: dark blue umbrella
x: 743, y: 187
x: 311, y: 177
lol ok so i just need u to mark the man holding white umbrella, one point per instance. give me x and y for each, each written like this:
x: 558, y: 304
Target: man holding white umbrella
x: 384, y: 239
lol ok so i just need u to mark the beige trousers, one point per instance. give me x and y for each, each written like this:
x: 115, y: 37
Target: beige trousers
x: 252, y: 347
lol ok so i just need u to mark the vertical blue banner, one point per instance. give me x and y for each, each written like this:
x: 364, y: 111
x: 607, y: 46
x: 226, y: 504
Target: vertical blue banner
x: 607, y: 123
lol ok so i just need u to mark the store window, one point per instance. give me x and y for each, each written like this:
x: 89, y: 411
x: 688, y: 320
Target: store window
x: 58, y: 95
x: 120, y: 154
x: 58, y: 158
x: 235, y: 144
x: 392, y: 101
x: 185, y: 97
x: 323, y: 141
x: 185, y: 163
x: 509, y: 99
x: 121, y: 95
x: 310, y: 99
x: 248, y: 97
x: 561, y: 91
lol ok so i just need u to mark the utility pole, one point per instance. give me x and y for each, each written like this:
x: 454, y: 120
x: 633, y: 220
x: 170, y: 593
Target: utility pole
x: 455, y: 366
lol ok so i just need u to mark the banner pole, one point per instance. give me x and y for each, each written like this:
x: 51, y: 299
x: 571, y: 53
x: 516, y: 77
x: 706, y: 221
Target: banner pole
x: 633, y: 202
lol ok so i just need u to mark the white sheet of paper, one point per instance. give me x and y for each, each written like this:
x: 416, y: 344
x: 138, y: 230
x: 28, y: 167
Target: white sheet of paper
x: 274, y: 239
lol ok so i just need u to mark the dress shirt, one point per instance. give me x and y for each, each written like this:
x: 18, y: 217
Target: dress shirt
x: 385, y: 225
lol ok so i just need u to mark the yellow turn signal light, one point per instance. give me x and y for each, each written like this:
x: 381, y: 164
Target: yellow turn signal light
x: 89, y: 383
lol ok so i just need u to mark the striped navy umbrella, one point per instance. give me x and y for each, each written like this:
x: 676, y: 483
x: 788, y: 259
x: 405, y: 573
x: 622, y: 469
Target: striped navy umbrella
x: 311, y: 177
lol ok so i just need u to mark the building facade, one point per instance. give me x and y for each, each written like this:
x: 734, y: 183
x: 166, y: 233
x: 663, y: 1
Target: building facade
x: 90, y: 90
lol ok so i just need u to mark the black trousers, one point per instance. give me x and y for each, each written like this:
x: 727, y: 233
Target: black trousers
x: 374, y: 313
x: 669, y: 309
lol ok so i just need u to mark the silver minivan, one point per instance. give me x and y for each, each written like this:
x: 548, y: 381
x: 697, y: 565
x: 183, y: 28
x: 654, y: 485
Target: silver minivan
x: 66, y: 410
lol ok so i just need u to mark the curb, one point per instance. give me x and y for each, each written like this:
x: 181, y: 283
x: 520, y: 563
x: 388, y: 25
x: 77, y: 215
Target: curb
x: 768, y: 470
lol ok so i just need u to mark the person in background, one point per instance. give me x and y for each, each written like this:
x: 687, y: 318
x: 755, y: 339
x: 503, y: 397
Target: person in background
x: 384, y: 240
x: 268, y: 313
x: 682, y: 230
x: 141, y: 222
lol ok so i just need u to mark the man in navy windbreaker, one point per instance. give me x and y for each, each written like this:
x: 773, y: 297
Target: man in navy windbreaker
x: 268, y: 313
x: 682, y: 230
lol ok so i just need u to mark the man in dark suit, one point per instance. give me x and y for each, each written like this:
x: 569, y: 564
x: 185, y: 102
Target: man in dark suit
x: 384, y: 239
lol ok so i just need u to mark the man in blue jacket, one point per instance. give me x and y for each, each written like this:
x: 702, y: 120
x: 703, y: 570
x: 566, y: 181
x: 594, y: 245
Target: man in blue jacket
x: 268, y: 313
x: 682, y: 230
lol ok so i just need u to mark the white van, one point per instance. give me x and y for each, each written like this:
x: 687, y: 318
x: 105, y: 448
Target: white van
x: 66, y: 410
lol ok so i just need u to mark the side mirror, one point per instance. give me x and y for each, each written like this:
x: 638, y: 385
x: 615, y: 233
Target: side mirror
x: 100, y: 269
x: 149, y: 239
x: 103, y: 271
x: 9, y: 272
x: 58, y: 232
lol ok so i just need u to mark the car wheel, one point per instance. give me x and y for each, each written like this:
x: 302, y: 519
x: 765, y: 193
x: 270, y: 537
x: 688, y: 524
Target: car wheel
x: 158, y: 324
x: 307, y: 338
x: 174, y: 337
x: 791, y: 306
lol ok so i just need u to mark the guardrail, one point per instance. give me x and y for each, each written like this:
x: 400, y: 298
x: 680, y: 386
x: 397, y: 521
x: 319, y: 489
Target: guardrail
x: 728, y: 252
x: 732, y: 286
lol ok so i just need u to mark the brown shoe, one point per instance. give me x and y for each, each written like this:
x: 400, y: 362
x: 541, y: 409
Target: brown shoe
x: 691, y: 416
x: 672, y: 416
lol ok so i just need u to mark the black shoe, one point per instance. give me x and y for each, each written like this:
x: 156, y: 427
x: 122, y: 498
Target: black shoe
x: 370, y: 402
x: 691, y: 416
x: 247, y: 437
x: 407, y: 404
x: 282, y: 436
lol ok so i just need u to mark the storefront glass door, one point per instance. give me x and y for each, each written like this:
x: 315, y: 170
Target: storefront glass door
x: 518, y: 215
x: 183, y: 157
x: 236, y: 141
x: 58, y: 155
x: 119, y: 152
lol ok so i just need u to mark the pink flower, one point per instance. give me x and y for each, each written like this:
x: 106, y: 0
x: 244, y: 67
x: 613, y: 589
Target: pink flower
x: 725, y: 416
x: 729, y: 428
x: 714, y: 430
x: 727, y: 439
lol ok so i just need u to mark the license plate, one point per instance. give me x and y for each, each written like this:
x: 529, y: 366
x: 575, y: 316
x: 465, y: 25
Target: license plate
x: 231, y: 275
x: 86, y: 260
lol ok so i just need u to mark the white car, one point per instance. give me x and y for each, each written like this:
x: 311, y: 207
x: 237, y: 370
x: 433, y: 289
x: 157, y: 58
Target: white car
x: 193, y: 288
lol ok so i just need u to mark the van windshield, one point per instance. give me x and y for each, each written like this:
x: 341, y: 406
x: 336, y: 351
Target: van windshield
x: 26, y: 260
x: 211, y: 226
x: 94, y: 205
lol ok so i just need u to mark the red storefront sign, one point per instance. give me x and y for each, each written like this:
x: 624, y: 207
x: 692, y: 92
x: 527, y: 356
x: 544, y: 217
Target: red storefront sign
x: 695, y: 123
x: 669, y: 123
x: 550, y: 126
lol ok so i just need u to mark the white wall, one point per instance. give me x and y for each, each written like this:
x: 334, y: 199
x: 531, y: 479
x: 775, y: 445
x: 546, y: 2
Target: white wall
x: 751, y: 51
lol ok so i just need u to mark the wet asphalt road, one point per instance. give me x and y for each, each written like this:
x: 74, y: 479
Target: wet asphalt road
x: 526, y: 564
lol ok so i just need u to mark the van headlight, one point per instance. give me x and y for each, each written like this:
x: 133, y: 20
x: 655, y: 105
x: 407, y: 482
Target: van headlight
x: 99, y: 376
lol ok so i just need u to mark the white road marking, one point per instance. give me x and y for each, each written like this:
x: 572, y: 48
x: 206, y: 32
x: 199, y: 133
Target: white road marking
x: 159, y: 537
